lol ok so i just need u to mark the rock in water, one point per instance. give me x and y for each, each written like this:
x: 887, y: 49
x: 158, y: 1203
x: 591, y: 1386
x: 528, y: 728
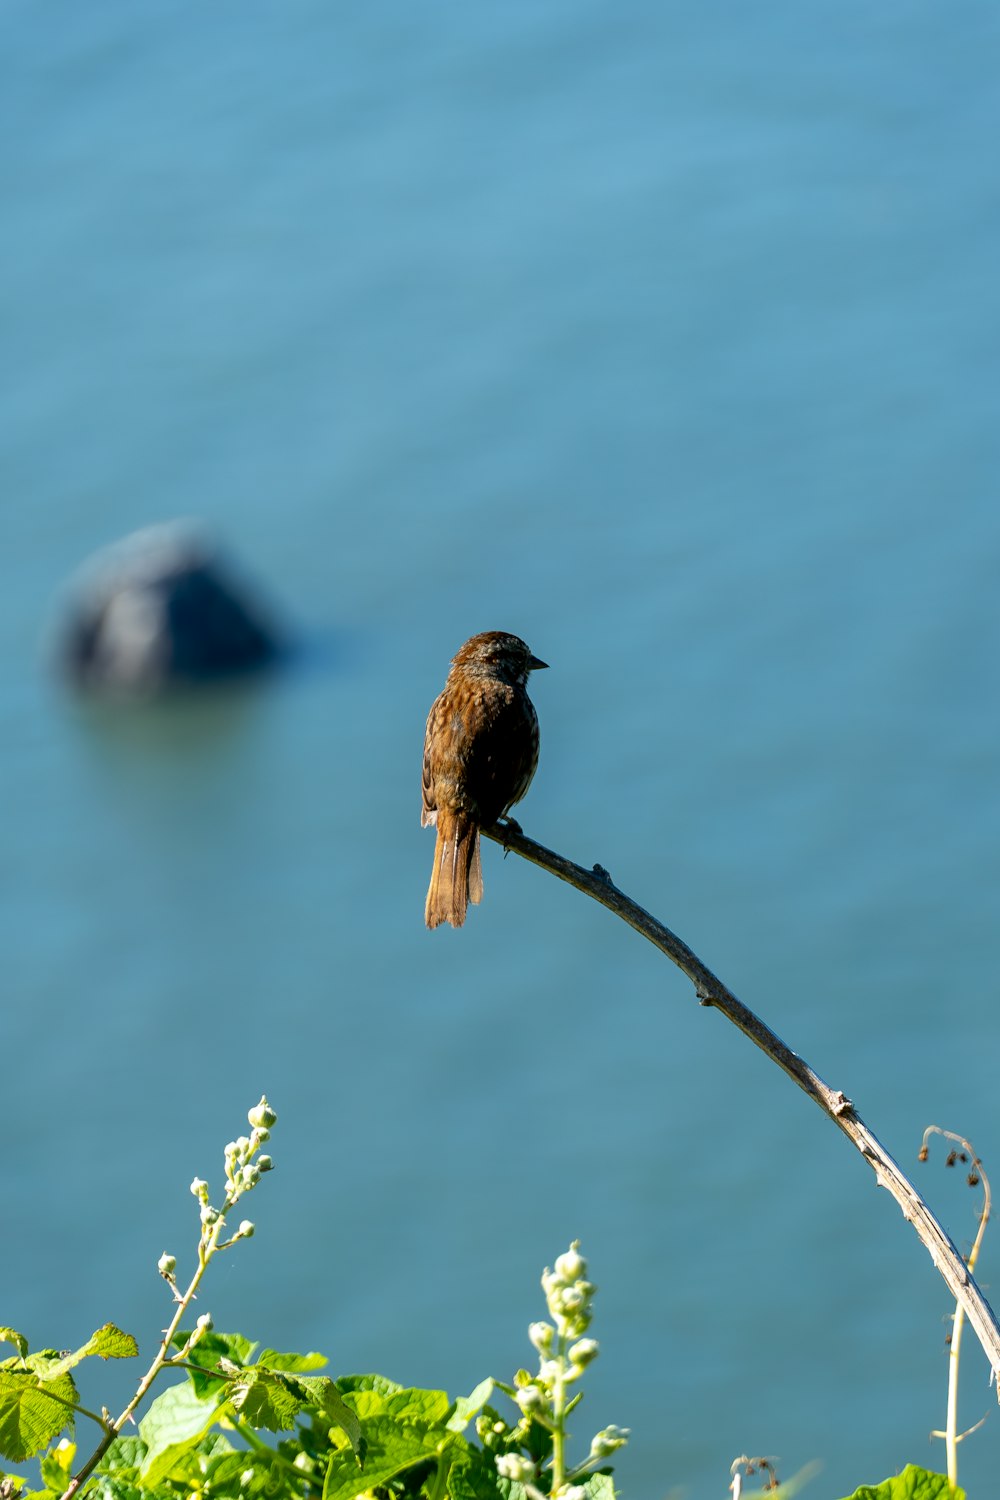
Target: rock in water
x: 160, y: 610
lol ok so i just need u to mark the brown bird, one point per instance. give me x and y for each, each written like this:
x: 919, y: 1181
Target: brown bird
x: 480, y: 753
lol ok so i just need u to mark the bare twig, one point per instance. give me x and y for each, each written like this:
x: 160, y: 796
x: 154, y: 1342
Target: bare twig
x: 961, y: 1152
x: 597, y: 883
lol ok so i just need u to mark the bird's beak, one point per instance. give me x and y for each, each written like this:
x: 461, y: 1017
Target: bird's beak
x: 535, y: 665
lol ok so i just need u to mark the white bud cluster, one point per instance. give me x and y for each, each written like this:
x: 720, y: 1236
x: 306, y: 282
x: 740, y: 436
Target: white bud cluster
x: 565, y: 1351
x: 243, y: 1171
x: 569, y: 1294
x: 513, y: 1466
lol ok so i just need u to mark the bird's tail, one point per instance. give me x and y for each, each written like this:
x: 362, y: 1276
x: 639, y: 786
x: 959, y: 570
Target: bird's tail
x: 457, y: 876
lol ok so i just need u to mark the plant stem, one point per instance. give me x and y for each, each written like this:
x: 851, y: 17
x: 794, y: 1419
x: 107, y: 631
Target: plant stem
x: 950, y: 1433
x: 253, y: 1440
x: 206, y: 1250
x: 559, y: 1425
x: 75, y: 1407
x: 598, y: 884
x: 951, y: 1423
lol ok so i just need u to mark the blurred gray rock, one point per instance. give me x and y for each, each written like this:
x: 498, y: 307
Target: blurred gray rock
x: 159, y: 610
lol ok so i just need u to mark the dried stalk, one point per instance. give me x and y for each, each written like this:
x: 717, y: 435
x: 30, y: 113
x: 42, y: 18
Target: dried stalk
x: 948, y: 1261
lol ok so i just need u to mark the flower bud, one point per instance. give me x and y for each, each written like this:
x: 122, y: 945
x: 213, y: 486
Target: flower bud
x: 209, y: 1215
x: 513, y: 1466
x: 541, y: 1335
x: 246, y: 1230
x: 583, y: 1352
x: 262, y: 1114
x: 199, y: 1188
x: 167, y: 1265
x: 250, y: 1176
x: 205, y: 1323
x: 550, y: 1283
x: 608, y: 1440
x: 264, y: 1164
x: 260, y: 1135
x: 570, y: 1266
x: 530, y: 1399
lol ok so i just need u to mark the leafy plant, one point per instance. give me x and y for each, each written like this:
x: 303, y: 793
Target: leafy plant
x: 261, y: 1423
x: 249, y: 1423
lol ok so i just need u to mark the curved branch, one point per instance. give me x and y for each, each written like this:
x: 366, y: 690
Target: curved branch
x: 598, y: 884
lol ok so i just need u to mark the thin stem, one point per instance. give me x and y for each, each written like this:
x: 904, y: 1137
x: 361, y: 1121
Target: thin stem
x: 598, y: 884
x: 951, y: 1421
x: 162, y: 1358
x: 559, y: 1425
x: 950, y: 1434
x: 74, y: 1406
x: 253, y: 1440
x: 207, y: 1246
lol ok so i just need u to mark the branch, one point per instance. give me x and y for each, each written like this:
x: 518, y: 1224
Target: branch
x: 711, y: 991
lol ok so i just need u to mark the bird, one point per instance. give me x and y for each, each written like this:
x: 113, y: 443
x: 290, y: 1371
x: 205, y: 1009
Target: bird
x: 480, y: 753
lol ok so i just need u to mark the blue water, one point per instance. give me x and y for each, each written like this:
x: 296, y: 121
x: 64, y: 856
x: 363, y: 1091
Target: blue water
x: 666, y: 337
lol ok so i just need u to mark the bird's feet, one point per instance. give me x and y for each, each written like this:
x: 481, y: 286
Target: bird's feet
x: 510, y: 825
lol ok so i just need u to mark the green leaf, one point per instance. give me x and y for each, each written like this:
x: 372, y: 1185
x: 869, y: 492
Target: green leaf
x: 600, y: 1487
x: 512, y: 1489
x: 367, y: 1404
x: 30, y: 1416
x: 298, y: 1364
x: 322, y: 1395
x: 391, y: 1447
x: 399, y: 1402
x: 473, y: 1476
x: 266, y: 1398
x: 272, y: 1400
x: 188, y: 1474
x: 244, y: 1476
x: 57, y: 1466
x: 124, y: 1457
x: 210, y: 1349
x: 174, y: 1423
x: 432, y: 1407
x: 213, y: 1346
x: 377, y: 1383
x: 467, y: 1407
x: 912, y: 1484
x: 108, y: 1343
x: 113, y: 1487
x: 11, y: 1336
